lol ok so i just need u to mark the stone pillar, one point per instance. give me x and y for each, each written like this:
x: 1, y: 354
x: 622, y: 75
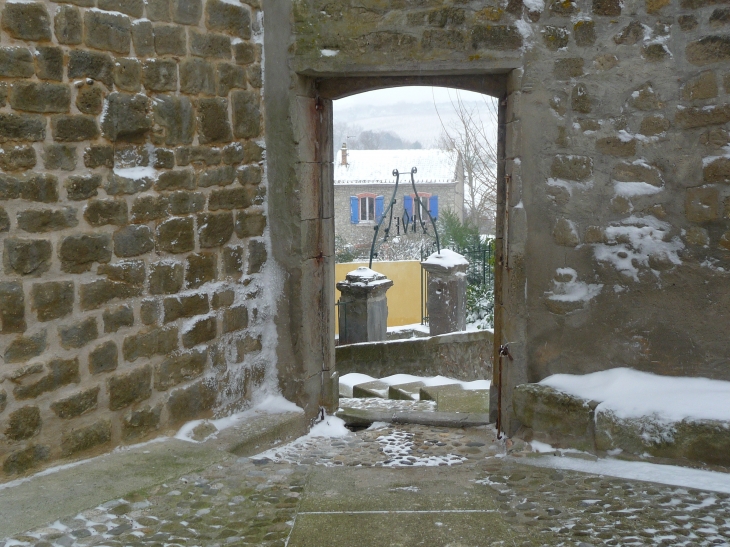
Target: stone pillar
x: 365, y: 314
x: 446, y: 291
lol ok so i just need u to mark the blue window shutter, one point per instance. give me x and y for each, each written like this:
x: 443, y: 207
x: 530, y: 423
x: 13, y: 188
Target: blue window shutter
x: 433, y: 206
x: 379, y: 206
x: 354, y: 210
x: 408, y: 204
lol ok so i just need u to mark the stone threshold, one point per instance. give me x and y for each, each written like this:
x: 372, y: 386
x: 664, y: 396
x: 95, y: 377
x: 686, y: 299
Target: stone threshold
x: 356, y: 417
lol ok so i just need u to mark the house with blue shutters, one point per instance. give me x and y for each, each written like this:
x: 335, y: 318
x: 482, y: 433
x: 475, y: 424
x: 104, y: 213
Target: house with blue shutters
x: 364, y: 182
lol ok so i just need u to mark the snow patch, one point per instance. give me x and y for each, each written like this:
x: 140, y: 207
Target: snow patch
x: 328, y: 52
x: 534, y: 5
x: 447, y: 259
x: 630, y: 189
x: 572, y: 290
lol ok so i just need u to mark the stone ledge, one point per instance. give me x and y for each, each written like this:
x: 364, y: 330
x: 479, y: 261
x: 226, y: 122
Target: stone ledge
x: 361, y: 417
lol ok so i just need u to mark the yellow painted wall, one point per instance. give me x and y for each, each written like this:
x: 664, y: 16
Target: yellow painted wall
x: 404, y: 297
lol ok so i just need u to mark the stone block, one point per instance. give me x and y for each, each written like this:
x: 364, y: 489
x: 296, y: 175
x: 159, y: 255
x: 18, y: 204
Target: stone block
x: 4, y: 221
x: 231, y: 198
x: 232, y: 154
x: 187, y: 12
x: 27, y: 21
x: 52, y: 300
x: 101, y: 212
x: 68, y: 26
x: 40, y: 97
x: 702, y: 204
x: 23, y: 348
x: 90, y: 100
x: 578, y: 168
x: 197, y: 76
x: 235, y: 319
x: 687, y: 22
x: 246, y: 114
x: 216, y: 46
x: 129, y: 388
x: 148, y: 343
x: 23, y: 423
x: 630, y: 35
x: 85, y: 438
x: 654, y: 125
x: 467, y: 401
x: 41, y: 187
x: 22, y: 127
x: 103, y: 358
x: 565, y: 69
x: 701, y: 87
x: 97, y: 293
x: 12, y: 312
x: 560, y: 419
x: 214, y: 229
x: 244, y: 53
x: 134, y: 8
x: 160, y: 75
x: 175, y: 307
x: 698, y: 236
x: 166, y: 277
x: 229, y: 76
x: 107, y: 31
x: 222, y: 299
x: 126, y: 271
x: 117, y: 318
x: 25, y: 459
x: 117, y: 184
x: 248, y: 345
x: 98, y: 156
x: 496, y: 37
x: 175, y: 115
x: 147, y: 208
x: 231, y: 19
x: 616, y: 146
x: 76, y: 404
x: 27, y: 256
x: 580, y: 99
x: 61, y: 372
x: 707, y: 50
x: 159, y: 10
x: 655, y: 52
x: 249, y: 175
x: 74, y: 128
x: 90, y: 64
x: 164, y: 159
x: 181, y: 179
x: 16, y: 62
x: 180, y: 368
x: 82, y: 187
x: 49, y: 63
x: 584, y: 33
x: 77, y: 335
x: 717, y: 170
x: 79, y: 252
x: 149, y: 312
x: 133, y: 241
x: 232, y: 259
x: 127, y: 117
x: 191, y: 402
x: 219, y: 176
x: 256, y: 256
x: 139, y: 422
x: 176, y: 235
x: 555, y: 37
x: 213, y: 124
x: 198, y: 155
x: 376, y: 389
x: 128, y: 74
x: 201, y: 331
x: 250, y: 223
x: 201, y: 268
x: 610, y: 8
x: 58, y: 156
x: 47, y: 220
x: 724, y: 242
x: 18, y: 158
x: 170, y: 40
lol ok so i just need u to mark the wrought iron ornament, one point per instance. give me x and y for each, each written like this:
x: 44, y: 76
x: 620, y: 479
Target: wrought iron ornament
x: 412, y: 221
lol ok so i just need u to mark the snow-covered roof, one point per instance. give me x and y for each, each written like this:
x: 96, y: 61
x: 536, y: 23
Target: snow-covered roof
x: 376, y: 166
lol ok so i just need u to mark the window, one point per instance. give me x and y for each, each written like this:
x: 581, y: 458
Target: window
x: 366, y: 208
x: 429, y: 203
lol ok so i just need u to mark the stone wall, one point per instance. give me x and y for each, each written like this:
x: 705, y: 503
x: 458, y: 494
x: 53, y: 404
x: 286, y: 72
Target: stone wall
x: 362, y: 233
x: 466, y: 356
x: 133, y: 221
x: 614, y: 202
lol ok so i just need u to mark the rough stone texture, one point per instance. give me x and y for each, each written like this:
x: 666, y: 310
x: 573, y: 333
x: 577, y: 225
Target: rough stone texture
x: 103, y: 358
x: 86, y: 438
x: 195, y: 400
x: 77, y: 404
x: 52, y: 300
x: 129, y: 388
x: 180, y: 368
x: 23, y: 348
x: 79, y: 334
x: 24, y: 423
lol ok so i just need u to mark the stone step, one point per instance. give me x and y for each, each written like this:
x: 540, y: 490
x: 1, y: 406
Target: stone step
x: 465, y: 400
x: 364, y: 418
x: 371, y: 389
x: 406, y: 392
x: 432, y: 393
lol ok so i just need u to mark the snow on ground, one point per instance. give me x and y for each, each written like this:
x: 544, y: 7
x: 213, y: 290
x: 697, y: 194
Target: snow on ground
x: 355, y: 378
x: 643, y: 471
x: 630, y: 393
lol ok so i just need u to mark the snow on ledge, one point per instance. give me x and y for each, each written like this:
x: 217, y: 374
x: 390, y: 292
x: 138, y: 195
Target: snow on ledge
x: 630, y: 393
x: 446, y: 259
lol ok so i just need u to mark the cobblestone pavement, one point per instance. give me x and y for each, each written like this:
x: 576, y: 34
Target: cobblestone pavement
x: 254, y: 501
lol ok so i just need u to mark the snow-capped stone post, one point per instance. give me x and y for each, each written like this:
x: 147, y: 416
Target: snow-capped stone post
x: 365, y: 314
x: 446, y: 291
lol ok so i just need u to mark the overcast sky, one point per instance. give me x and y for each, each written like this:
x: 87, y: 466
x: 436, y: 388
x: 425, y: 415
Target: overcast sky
x: 408, y: 111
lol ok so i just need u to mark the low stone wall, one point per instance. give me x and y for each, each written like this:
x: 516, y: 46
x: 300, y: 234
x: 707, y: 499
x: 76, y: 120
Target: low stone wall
x: 567, y: 421
x: 462, y: 355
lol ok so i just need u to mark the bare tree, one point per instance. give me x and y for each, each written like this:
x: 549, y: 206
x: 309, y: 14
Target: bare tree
x: 470, y: 135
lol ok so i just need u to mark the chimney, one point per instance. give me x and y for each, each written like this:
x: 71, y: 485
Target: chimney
x: 344, y: 154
